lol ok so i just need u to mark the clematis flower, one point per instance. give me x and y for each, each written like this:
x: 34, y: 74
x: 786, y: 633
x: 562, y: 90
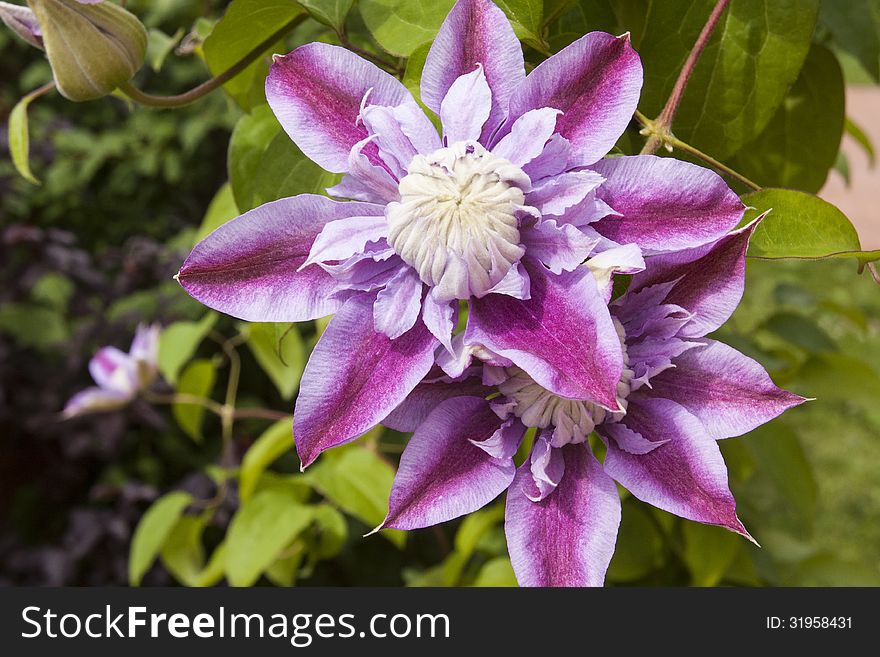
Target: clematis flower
x: 498, y: 210
x: 678, y: 394
x: 119, y: 376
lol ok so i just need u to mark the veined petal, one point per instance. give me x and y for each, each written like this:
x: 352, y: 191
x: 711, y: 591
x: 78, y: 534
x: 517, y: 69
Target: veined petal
x: 552, y: 161
x: 730, y: 393
x: 528, y: 137
x: 429, y: 394
x: 317, y: 91
x: 686, y: 475
x: 474, y: 32
x: 376, y: 177
x: 563, y: 336
x: 401, y: 132
x: 560, y: 248
x: 343, y: 238
x: 355, y: 377
x: 247, y: 268
x: 665, y: 204
x: 440, y: 317
x: 466, y: 107
x: 442, y: 474
x: 568, y: 538
x: 595, y: 81
x: 398, y: 304
x: 555, y: 195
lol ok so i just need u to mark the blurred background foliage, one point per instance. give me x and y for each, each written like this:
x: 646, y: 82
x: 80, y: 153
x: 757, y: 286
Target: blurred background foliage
x: 151, y: 495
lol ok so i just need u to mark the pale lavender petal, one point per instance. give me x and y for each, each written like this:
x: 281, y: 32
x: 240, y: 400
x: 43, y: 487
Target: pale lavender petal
x: 466, y: 107
x: 665, y: 204
x: 685, y: 476
x: 563, y: 336
x: 706, y: 281
x: 547, y: 466
x: 651, y: 356
x: 555, y: 195
x: 595, y: 81
x: 145, y: 344
x: 625, y: 259
x: 629, y: 440
x: 528, y: 136
x: 428, y: 394
x: 552, y: 161
x: 474, y: 32
x: 355, y: 377
x: 114, y: 370
x: 730, y: 393
x: 442, y: 474
x: 568, y: 538
x: 343, y: 238
x: 247, y: 268
x: 440, y: 317
x: 317, y: 92
x: 376, y: 177
x: 352, y: 188
x: 516, y: 283
x: 398, y: 304
x: 401, y: 132
x: 95, y: 400
x: 560, y: 248
x: 505, y: 442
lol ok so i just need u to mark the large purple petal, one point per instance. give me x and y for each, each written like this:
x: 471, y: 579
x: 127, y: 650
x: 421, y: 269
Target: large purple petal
x: 665, y: 204
x: 686, y: 475
x: 247, y: 268
x: 562, y: 336
x: 316, y: 92
x: 442, y: 474
x: 568, y: 538
x: 355, y: 377
x: 595, y: 81
x: 474, y: 32
x: 730, y: 393
x: 429, y: 394
x: 707, y: 281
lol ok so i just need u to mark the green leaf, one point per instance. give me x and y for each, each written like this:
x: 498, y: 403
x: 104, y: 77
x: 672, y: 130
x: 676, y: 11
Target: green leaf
x: 279, y: 350
x: 264, y: 165
x: 259, y: 531
x: 708, y: 552
x: 838, y: 378
x: 19, y: 139
x: 246, y: 24
x: 197, y: 379
x: 329, y: 12
x: 332, y: 532
x: 359, y: 482
x: 221, y: 209
x: 183, y: 554
x: 527, y: 19
x: 33, y: 325
x: 754, y: 56
x: 285, y: 570
x: 800, y: 331
x: 271, y: 444
x: 854, y: 131
x: 153, y: 530
x: 215, y: 569
x: 178, y: 343
x: 781, y: 156
x: 801, y: 226
x: 401, y: 26
x: 496, y: 572
x: 855, y: 24
x: 474, y: 527
x: 159, y: 46
x: 639, y: 545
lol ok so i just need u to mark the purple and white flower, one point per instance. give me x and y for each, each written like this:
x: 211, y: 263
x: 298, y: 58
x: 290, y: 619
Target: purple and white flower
x: 499, y: 210
x: 678, y: 393
x: 119, y: 376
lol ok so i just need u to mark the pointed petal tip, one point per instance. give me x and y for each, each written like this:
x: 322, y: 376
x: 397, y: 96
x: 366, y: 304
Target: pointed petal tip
x: 376, y: 529
x: 626, y: 37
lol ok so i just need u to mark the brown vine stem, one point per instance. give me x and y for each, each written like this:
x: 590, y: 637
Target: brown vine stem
x: 194, y: 94
x: 662, y: 125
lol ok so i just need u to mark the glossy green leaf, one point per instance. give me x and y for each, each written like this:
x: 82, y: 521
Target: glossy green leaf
x: 258, y: 533
x: 329, y: 12
x: 783, y: 155
x: 196, y: 379
x: 264, y: 165
x: 569, y: 20
x: 246, y: 24
x: 527, y: 18
x: 708, y: 552
x: 855, y: 27
x: 19, y: 139
x: 496, y: 572
x: 801, y: 226
x: 359, y: 482
x: 754, y: 56
x: 153, y: 530
x: 221, y: 209
x: 183, y: 553
x: 271, y: 444
x: 178, y: 343
x: 279, y: 350
x: 401, y: 26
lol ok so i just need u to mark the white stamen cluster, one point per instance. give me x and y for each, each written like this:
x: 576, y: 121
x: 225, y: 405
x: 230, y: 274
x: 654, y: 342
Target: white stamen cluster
x: 456, y: 222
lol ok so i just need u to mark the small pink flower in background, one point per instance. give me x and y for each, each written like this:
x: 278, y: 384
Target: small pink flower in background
x: 120, y: 376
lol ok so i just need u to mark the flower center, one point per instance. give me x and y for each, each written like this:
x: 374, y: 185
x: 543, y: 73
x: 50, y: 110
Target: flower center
x: 456, y: 222
x: 572, y: 420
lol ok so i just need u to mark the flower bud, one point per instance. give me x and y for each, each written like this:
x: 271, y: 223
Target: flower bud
x: 93, y: 46
x: 23, y: 22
